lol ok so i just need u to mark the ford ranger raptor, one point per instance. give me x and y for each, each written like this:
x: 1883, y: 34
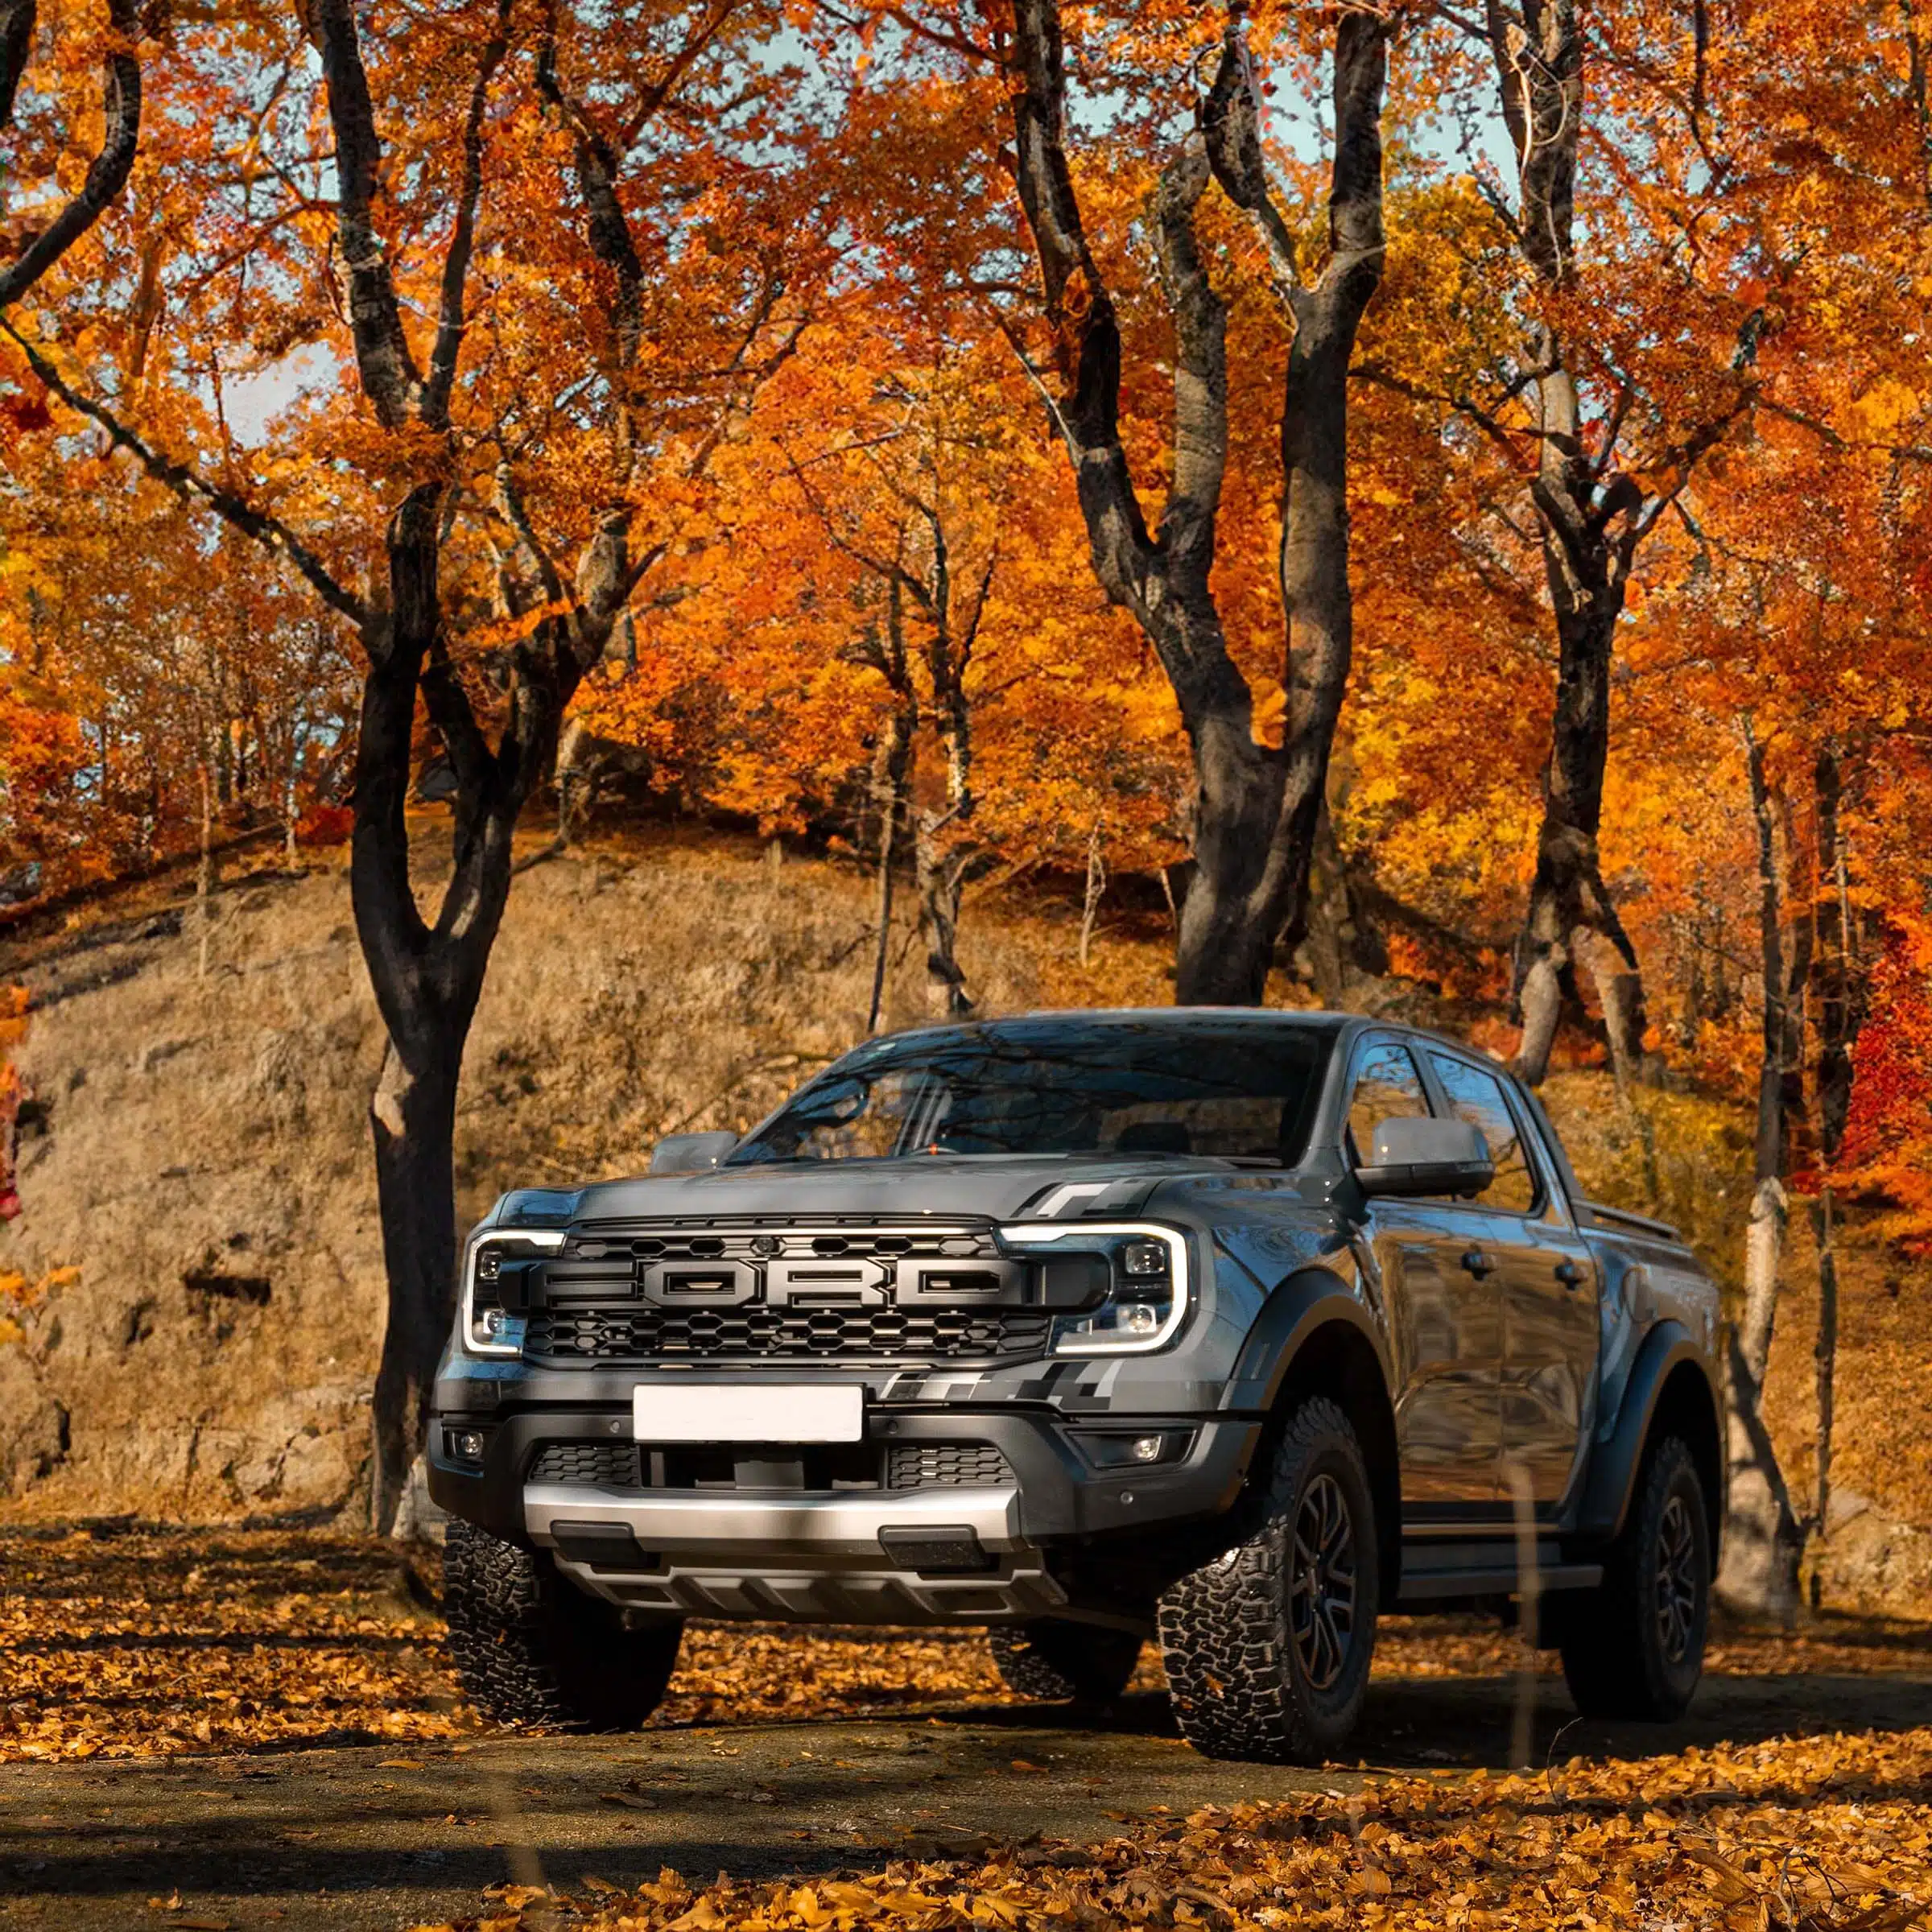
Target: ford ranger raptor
x: 1233, y: 1331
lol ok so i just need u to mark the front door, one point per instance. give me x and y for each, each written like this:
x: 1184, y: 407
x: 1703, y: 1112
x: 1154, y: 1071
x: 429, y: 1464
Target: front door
x: 1547, y: 1284
x: 1445, y: 1322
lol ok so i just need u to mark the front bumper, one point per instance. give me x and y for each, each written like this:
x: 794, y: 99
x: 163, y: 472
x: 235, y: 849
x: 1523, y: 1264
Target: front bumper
x: 799, y: 1558
x: 1049, y: 1539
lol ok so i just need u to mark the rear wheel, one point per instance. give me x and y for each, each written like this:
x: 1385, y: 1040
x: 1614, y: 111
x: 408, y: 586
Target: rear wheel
x: 1067, y: 1662
x: 1268, y: 1647
x: 531, y: 1647
x: 1633, y: 1648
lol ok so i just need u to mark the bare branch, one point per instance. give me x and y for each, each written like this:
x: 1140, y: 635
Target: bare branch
x: 389, y: 377
x: 1200, y: 375
x: 1230, y: 120
x: 18, y: 19
x: 107, y: 174
x: 1079, y: 310
x: 268, y: 531
x: 462, y: 241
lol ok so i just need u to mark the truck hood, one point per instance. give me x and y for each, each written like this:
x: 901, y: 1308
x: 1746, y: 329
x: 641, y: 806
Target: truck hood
x: 1028, y: 1187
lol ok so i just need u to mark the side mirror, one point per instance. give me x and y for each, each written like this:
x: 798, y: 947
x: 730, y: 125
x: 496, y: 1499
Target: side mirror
x: 1421, y: 1157
x: 690, y: 1152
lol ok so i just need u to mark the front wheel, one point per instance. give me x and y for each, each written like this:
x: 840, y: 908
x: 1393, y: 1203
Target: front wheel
x: 1634, y: 1647
x: 1068, y: 1662
x: 531, y: 1647
x: 1268, y: 1646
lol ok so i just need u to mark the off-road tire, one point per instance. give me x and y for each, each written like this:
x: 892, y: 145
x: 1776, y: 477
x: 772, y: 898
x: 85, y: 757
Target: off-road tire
x: 1065, y: 1662
x: 1633, y: 1648
x: 1241, y: 1683
x: 531, y: 1648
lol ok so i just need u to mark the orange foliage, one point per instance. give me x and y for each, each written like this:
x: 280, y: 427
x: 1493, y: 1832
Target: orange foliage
x: 832, y: 257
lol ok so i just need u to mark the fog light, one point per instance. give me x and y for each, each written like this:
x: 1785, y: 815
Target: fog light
x: 1144, y: 1258
x: 466, y: 1445
x: 1136, y: 1318
x: 1147, y: 1448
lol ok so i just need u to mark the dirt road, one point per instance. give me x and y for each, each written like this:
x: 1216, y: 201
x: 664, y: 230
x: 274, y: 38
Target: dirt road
x: 262, y: 1725
x: 381, y: 1837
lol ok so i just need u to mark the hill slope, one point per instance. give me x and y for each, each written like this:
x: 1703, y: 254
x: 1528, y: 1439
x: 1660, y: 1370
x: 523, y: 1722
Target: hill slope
x: 194, y: 1315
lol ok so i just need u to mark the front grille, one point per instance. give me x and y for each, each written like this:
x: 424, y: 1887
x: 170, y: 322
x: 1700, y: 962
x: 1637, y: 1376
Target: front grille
x: 780, y: 1333
x: 854, y: 1466
x: 748, y: 1241
x: 609, y: 1465
x: 707, y: 1291
x: 945, y: 1466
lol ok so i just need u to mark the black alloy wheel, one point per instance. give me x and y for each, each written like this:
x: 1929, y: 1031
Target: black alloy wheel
x: 1268, y: 1644
x: 1321, y: 1598
x: 1678, y: 1581
x: 1633, y: 1648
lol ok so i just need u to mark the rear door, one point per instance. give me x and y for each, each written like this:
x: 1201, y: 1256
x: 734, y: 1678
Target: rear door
x: 1546, y: 1279
x: 1445, y: 1323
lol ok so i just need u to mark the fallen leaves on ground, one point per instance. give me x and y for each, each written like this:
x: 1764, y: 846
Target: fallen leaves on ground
x: 136, y: 1642
x: 1814, y: 1834
x: 164, y: 1643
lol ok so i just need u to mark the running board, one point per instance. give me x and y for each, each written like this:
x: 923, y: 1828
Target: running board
x: 1421, y: 1586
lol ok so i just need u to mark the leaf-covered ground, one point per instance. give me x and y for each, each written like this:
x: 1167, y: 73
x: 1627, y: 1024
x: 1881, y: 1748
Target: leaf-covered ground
x: 123, y: 1644
x: 1831, y: 1834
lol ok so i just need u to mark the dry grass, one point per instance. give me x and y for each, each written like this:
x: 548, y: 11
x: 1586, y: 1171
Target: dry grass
x: 205, y: 1168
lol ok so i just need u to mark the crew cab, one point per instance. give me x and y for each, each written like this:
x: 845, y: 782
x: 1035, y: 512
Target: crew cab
x: 1230, y: 1330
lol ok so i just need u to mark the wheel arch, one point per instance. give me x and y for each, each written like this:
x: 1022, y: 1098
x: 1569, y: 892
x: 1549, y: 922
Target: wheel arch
x: 1670, y: 1392
x: 1322, y: 1341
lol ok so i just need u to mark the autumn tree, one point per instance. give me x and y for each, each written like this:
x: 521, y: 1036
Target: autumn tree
x: 462, y: 459
x: 1257, y: 805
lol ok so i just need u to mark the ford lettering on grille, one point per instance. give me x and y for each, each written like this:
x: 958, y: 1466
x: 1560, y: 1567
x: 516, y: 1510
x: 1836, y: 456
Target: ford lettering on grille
x: 741, y: 1289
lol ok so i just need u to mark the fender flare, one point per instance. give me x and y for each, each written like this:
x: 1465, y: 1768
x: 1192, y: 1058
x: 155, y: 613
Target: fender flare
x: 1615, y: 1459
x: 1308, y: 1300
x: 1311, y: 1301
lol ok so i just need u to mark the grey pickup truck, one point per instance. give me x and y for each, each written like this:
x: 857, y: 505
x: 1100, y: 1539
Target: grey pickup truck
x: 1230, y: 1330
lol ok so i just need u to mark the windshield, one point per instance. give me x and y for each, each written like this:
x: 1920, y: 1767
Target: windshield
x: 1234, y: 1089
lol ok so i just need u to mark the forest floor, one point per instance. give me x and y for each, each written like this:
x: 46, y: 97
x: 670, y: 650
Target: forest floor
x: 254, y: 1728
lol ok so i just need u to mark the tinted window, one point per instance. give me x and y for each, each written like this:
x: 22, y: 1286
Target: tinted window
x: 1387, y: 1087
x: 1241, y: 1089
x: 1477, y: 1097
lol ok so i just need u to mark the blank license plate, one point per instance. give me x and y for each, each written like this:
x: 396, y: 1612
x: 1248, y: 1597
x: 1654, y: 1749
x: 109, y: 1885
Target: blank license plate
x: 748, y: 1413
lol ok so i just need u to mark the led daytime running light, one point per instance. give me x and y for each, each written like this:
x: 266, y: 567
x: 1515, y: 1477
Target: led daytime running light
x: 547, y: 1240
x: 1036, y: 1234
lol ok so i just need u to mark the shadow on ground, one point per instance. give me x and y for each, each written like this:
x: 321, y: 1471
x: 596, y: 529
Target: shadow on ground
x: 380, y: 1838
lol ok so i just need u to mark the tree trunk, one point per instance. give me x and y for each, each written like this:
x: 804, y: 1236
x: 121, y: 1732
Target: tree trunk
x: 890, y: 773
x: 939, y: 875
x: 1096, y: 886
x: 1840, y: 1014
x: 1571, y: 922
x: 1345, y: 939
x: 1228, y: 932
x: 427, y: 979
x: 204, y: 876
x: 1761, y: 1543
x: 1759, y: 1575
x: 1824, y: 1230
x: 412, y: 1119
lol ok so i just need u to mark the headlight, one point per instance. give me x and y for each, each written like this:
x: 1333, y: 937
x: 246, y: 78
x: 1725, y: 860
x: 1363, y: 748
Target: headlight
x: 1146, y: 1298
x: 487, y: 1330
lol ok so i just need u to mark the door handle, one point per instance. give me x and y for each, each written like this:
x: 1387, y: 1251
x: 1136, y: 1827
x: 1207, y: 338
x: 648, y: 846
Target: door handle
x: 1478, y: 1263
x: 1569, y: 1274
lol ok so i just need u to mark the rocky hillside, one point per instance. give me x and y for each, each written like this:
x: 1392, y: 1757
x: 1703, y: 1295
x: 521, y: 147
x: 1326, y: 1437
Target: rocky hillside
x: 192, y: 1324
x: 190, y: 1303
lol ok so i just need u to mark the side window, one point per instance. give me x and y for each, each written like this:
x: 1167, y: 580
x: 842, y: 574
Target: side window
x: 1387, y: 1087
x: 1477, y: 1097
